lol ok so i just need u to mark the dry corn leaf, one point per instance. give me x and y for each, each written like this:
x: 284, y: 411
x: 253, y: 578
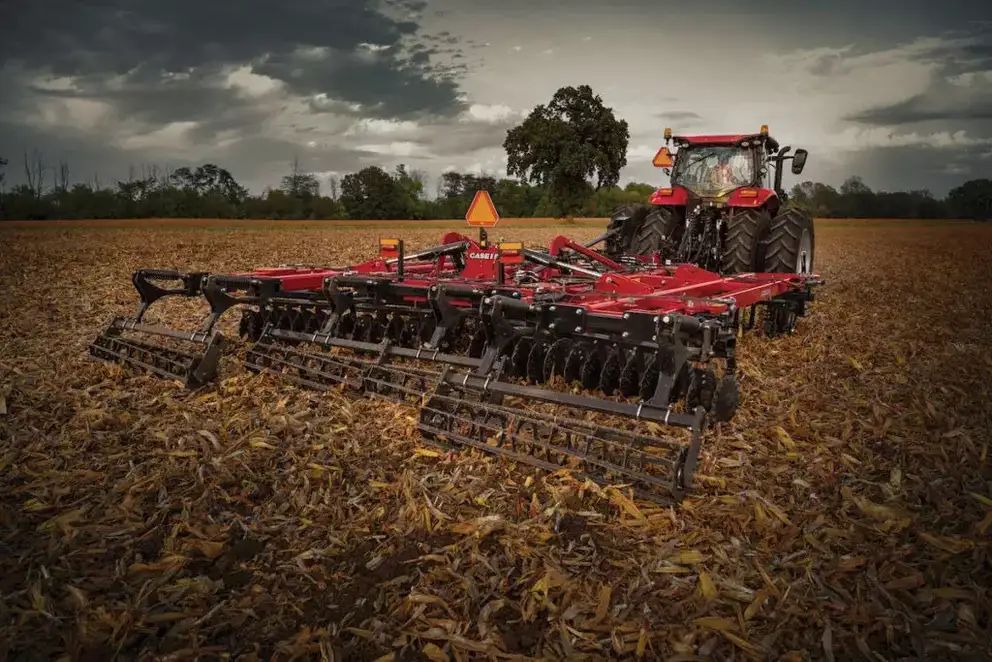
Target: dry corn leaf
x: 715, y: 623
x: 434, y: 652
x: 687, y: 556
x: 785, y: 438
x: 706, y: 586
x: 426, y: 452
x: 309, y: 551
x: 947, y: 544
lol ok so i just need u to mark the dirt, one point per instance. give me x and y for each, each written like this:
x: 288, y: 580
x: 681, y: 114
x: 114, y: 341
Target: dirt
x: 845, y: 512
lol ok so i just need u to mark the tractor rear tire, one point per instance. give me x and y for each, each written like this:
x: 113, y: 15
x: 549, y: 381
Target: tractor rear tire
x: 644, y: 229
x: 790, y: 239
x: 627, y: 220
x: 743, y: 251
x: 658, y: 228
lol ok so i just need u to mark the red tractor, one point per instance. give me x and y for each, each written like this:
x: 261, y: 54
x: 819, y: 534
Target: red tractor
x: 724, y: 211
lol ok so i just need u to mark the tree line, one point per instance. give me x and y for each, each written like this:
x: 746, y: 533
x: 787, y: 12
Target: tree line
x: 210, y: 191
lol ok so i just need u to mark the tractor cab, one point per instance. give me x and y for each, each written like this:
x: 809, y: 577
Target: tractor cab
x: 724, y: 170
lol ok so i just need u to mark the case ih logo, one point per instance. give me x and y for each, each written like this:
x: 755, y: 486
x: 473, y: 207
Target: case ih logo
x: 484, y: 256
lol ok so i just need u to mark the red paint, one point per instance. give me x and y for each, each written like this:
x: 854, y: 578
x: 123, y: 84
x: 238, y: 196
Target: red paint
x: 682, y: 289
x: 721, y: 139
x: 670, y: 196
x: 658, y: 290
x: 740, y: 197
x: 561, y: 242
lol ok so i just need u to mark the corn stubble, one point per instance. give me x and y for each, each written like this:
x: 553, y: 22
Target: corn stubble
x: 845, y: 513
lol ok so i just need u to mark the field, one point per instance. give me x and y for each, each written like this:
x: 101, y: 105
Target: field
x: 845, y: 514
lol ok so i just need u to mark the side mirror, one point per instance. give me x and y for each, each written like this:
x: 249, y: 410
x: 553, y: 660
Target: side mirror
x: 799, y: 161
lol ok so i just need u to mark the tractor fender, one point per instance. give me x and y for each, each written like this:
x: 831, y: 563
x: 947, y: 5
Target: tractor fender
x: 754, y: 198
x: 672, y: 196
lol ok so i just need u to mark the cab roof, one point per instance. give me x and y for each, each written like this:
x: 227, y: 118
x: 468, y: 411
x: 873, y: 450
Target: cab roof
x: 727, y: 139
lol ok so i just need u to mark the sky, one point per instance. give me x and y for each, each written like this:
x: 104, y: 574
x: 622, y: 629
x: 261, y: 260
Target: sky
x: 899, y: 93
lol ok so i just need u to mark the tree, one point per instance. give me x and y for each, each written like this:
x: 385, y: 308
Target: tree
x: 973, y: 200
x: 854, y: 185
x: 302, y: 185
x: 62, y: 177
x: 3, y: 164
x: 35, y: 169
x: 371, y: 193
x: 564, y: 144
x: 411, y: 184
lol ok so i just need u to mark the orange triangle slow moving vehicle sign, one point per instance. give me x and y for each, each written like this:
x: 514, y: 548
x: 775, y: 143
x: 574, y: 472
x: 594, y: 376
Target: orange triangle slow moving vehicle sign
x: 482, y: 212
x: 663, y: 159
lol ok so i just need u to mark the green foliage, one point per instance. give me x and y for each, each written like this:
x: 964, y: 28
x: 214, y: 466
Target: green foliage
x: 563, y: 145
x: 857, y: 200
x: 371, y: 193
x: 300, y: 185
x: 209, y: 191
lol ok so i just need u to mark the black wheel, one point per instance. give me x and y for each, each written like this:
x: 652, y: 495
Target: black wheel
x: 747, y: 230
x: 790, y: 243
x: 660, y: 227
x: 644, y: 229
x: 627, y: 220
x: 726, y: 399
x: 777, y: 320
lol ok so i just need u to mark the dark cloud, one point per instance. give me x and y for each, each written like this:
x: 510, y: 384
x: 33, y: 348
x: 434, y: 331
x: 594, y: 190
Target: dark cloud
x: 960, y: 89
x: 196, y: 96
x: 372, y: 79
x: 466, y: 138
x: 153, y: 63
x: 680, y: 117
x: 142, y: 40
x: 928, y: 107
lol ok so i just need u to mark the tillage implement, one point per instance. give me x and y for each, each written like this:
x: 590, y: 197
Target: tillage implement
x: 555, y: 358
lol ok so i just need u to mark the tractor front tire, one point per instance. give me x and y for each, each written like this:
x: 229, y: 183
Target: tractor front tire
x: 658, y: 228
x: 743, y: 250
x: 790, y: 240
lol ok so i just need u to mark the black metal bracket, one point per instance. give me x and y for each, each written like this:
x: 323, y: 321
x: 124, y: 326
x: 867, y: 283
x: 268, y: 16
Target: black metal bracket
x: 341, y: 301
x: 500, y: 333
x: 446, y: 314
x: 679, y: 354
x: 216, y: 292
x: 149, y: 292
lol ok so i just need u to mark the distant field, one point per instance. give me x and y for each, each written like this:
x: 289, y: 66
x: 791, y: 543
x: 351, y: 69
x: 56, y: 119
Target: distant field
x: 306, y: 224
x: 266, y: 224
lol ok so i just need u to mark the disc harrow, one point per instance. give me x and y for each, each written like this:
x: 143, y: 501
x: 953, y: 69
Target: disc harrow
x: 466, y: 402
x: 555, y: 359
x: 650, y: 343
x: 287, y: 297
